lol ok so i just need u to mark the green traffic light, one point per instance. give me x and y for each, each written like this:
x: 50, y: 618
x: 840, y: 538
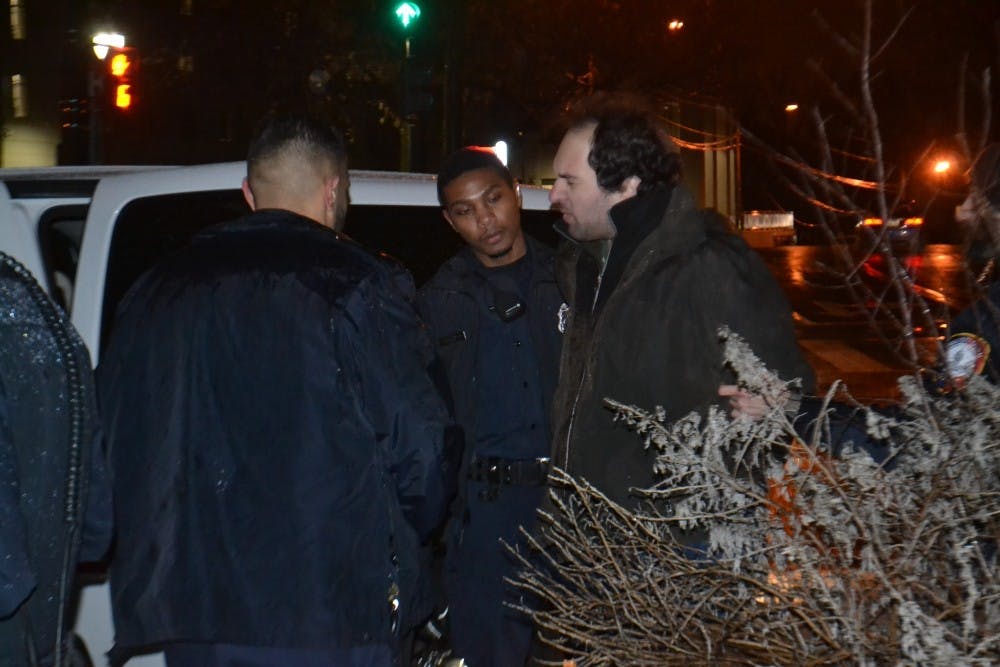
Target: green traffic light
x: 407, y: 13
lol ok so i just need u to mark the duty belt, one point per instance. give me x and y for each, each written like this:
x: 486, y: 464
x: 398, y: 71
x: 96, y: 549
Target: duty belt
x: 497, y: 471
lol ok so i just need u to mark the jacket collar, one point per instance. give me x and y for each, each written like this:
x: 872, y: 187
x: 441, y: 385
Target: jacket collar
x: 266, y: 220
x: 649, y: 225
x: 468, y: 261
x: 637, y: 218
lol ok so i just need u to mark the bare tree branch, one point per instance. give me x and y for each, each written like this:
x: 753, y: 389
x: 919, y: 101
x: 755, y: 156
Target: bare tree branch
x: 812, y: 557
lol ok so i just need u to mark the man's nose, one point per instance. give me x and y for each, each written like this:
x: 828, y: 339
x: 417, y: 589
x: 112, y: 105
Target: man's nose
x: 485, y: 215
x: 555, y: 194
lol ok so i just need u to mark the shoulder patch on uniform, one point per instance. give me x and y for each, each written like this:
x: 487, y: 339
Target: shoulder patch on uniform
x: 966, y: 355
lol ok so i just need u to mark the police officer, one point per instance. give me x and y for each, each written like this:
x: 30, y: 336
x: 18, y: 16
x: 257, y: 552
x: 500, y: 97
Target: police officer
x: 493, y: 311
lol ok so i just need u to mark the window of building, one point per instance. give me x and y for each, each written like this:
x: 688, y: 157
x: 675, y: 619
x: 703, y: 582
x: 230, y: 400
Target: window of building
x: 16, y: 19
x: 187, y: 6
x: 18, y: 96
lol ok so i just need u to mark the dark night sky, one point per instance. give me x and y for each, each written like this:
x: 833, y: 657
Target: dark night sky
x: 513, y: 62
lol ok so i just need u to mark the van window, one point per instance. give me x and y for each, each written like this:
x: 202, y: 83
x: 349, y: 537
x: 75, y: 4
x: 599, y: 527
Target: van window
x: 60, y: 232
x: 420, y: 238
x: 149, y: 228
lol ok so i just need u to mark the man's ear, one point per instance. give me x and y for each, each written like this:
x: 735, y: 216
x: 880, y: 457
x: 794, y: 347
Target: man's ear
x: 330, y: 191
x: 630, y: 187
x: 248, y: 195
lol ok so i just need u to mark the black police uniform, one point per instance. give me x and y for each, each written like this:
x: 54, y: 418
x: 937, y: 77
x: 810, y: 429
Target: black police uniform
x: 497, y: 336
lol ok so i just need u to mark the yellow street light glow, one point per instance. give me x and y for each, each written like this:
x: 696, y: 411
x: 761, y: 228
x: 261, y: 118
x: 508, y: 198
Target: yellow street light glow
x: 942, y: 166
x: 791, y: 107
x: 675, y: 25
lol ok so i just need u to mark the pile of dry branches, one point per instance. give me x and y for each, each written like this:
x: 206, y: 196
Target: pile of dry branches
x: 807, y: 557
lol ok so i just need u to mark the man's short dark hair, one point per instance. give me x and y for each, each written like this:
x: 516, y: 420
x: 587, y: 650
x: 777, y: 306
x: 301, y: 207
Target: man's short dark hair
x: 309, y: 136
x: 628, y: 141
x: 470, y: 158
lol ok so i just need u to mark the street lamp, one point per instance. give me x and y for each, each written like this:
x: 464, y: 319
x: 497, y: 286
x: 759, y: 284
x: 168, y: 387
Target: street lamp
x: 501, y: 151
x: 105, y: 41
x: 941, y: 168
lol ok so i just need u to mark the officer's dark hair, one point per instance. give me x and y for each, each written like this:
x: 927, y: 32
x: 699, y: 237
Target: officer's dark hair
x: 628, y: 141
x: 470, y: 158
x: 311, y: 138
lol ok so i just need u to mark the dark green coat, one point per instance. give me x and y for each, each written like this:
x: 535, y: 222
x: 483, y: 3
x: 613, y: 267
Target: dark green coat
x: 674, y: 276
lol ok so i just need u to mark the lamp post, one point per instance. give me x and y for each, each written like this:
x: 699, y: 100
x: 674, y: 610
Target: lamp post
x: 102, y: 43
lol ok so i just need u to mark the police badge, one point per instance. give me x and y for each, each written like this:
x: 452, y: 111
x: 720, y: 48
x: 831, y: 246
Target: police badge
x: 966, y: 356
x: 563, y: 317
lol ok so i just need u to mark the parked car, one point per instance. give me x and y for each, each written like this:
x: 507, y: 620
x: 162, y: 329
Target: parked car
x: 900, y: 233
x: 87, y: 233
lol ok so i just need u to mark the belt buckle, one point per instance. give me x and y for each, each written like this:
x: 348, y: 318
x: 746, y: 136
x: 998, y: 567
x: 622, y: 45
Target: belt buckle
x: 492, y: 475
x: 497, y: 473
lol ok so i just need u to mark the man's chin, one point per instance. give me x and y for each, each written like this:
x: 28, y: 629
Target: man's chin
x: 500, y: 254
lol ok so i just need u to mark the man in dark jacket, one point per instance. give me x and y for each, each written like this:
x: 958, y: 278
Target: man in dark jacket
x: 649, y: 282
x: 493, y: 310
x: 54, y: 489
x: 275, y: 439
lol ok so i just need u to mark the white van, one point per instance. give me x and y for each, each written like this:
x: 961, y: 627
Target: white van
x: 88, y: 232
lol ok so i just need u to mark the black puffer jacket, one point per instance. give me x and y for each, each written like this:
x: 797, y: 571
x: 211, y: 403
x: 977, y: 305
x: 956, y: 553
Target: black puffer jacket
x: 674, y: 276
x: 275, y: 441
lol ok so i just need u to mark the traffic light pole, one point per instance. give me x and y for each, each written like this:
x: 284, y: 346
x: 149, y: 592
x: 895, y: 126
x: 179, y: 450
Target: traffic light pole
x: 405, y: 145
x: 406, y: 127
x: 95, y: 91
x: 407, y: 12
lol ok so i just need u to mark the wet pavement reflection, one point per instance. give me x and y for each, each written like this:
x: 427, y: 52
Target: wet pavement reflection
x: 856, y: 335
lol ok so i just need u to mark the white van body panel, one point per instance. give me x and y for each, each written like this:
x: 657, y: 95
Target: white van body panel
x: 16, y: 230
x: 116, y: 188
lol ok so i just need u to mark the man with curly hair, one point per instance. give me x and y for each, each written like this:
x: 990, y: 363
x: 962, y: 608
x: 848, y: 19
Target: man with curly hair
x: 649, y: 279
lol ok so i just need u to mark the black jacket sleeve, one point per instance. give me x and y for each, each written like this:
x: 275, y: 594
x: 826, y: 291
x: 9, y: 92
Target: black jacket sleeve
x: 407, y: 408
